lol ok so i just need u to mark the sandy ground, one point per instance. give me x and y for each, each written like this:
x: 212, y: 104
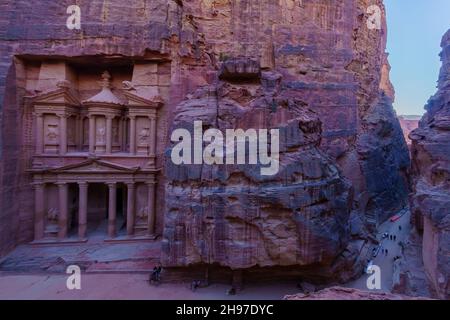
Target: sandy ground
x: 136, y: 286
x: 127, y: 286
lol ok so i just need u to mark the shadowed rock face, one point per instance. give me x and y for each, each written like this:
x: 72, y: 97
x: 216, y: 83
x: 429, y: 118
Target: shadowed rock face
x: 233, y: 216
x: 315, y: 58
x: 430, y: 201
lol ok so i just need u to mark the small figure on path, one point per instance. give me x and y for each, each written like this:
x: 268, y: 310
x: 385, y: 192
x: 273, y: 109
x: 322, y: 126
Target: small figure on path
x: 154, y: 277
x: 231, y: 291
x: 195, y: 284
x: 158, y: 273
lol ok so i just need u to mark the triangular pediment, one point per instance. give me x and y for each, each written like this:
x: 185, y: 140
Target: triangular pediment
x: 138, y: 101
x: 61, y: 96
x: 94, y: 166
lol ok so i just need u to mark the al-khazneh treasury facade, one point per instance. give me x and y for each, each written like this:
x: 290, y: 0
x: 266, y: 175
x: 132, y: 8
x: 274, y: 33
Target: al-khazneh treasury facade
x: 94, y: 166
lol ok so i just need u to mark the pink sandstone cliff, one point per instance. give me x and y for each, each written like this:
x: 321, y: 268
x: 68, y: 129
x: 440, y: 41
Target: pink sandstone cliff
x: 430, y: 201
x: 272, y: 66
x: 313, y: 69
x: 408, y: 124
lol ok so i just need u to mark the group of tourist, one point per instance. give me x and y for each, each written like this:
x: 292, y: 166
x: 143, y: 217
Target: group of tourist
x: 155, y: 277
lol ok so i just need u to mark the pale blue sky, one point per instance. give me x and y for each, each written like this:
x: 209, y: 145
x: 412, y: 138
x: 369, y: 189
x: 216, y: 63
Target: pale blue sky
x: 415, y: 30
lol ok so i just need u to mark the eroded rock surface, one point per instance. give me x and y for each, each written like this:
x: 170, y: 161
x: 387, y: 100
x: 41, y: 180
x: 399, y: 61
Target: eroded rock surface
x: 430, y: 201
x: 339, y: 293
x: 231, y: 214
x: 313, y: 69
x: 332, y: 190
x: 408, y: 124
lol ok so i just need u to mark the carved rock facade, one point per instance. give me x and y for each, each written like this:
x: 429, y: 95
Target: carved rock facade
x: 311, y: 68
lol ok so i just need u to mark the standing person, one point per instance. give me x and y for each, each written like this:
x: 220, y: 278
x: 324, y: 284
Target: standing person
x: 386, y: 252
x: 400, y: 228
x: 158, y: 273
x: 154, y: 276
x: 395, y: 238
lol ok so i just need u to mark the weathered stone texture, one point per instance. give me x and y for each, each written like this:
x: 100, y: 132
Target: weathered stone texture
x: 233, y: 216
x: 31, y: 34
x: 339, y: 293
x: 430, y: 201
x: 311, y: 68
x: 408, y: 124
x: 318, y: 56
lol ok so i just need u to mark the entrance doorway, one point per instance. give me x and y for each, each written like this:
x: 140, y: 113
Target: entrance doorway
x: 121, y: 210
x: 97, y: 210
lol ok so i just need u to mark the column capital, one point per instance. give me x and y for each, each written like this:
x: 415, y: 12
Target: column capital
x: 63, y: 115
x: 38, y: 114
x: 38, y: 184
x: 131, y: 117
x: 61, y: 183
x: 110, y: 116
x: 111, y: 184
x: 131, y: 185
x: 82, y: 184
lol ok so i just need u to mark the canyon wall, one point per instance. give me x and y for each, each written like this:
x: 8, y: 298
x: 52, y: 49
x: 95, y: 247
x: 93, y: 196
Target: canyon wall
x: 408, y: 124
x: 430, y: 200
x: 312, y: 68
x: 278, y: 65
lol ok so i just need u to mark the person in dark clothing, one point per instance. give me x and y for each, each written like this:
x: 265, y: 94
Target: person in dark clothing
x: 395, y: 238
x: 154, y: 275
x: 400, y: 228
x: 158, y: 273
x: 231, y: 291
x: 386, y: 252
x: 195, y: 284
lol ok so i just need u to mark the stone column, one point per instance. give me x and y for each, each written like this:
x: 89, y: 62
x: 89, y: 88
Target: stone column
x: 120, y: 128
x: 39, y: 133
x: 112, y: 209
x: 62, y: 134
x: 132, y: 135
x: 130, y: 208
x: 82, y: 209
x: 39, y: 210
x: 109, y: 133
x: 151, y: 208
x: 152, y: 146
x: 91, y: 134
x: 63, y: 210
x: 80, y: 130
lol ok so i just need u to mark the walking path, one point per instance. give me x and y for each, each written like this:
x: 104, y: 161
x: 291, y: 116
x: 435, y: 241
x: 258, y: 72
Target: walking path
x: 44, y: 276
x: 386, y: 262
